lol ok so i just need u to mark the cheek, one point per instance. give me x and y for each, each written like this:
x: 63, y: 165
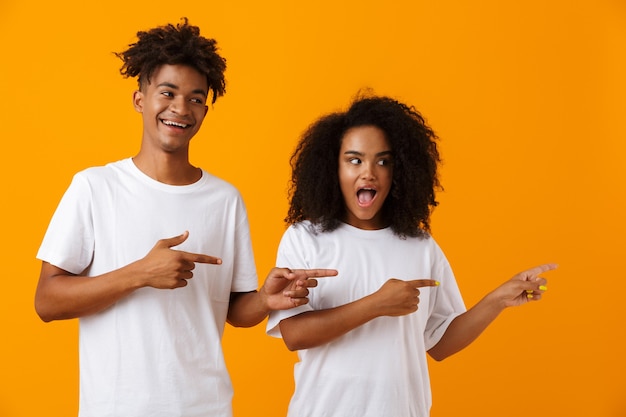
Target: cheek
x: 346, y: 186
x: 199, y: 112
x: 385, y: 175
x: 343, y: 177
x: 386, y: 180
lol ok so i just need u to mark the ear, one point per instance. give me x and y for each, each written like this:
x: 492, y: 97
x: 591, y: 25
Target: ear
x: 138, y: 101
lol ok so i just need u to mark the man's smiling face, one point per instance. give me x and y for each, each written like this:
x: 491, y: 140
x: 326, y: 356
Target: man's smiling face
x: 173, y: 106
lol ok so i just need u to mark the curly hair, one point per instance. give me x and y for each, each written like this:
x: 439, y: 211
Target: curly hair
x: 174, y: 45
x: 315, y: 194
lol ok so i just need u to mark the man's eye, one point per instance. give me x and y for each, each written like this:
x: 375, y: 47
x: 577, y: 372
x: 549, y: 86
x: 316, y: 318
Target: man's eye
x: 197, y: 100
x: 167, y: 93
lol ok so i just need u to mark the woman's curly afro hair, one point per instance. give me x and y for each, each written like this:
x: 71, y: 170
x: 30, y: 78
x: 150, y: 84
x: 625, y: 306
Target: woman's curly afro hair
x: 315, y: 194
x: 175, y: 45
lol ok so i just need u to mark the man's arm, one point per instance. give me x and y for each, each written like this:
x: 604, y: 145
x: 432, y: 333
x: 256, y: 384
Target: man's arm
x: 63, y: 295
x: 522, y: 288
x: 315, y: 328
x: 283, y: 289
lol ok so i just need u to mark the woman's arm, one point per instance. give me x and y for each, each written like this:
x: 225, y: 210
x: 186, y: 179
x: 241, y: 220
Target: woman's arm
x: 522, y: 288
x: 315, y: 328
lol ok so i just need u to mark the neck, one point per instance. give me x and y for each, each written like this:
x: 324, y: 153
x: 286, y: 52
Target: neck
x: 167, y: 168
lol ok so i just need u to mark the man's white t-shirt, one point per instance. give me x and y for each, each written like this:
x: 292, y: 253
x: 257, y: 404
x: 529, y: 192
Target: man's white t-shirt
x: 380, y: 368
x: 156, y: 352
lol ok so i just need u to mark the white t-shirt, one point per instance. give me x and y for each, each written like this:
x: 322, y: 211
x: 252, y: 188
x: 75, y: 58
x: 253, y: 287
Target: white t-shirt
x: 156, y: 352
x: 378, y: 369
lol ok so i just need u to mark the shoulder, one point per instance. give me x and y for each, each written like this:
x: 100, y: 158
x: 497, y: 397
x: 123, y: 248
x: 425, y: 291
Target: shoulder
x: 432, y: 245
x: 432, y: 251
x: 305, y: 226
x: 426, y: 244
x: 101, y: 172
x: 303, y: 232
x: 305, y: 229
x: 218, y: 184
x: 92, y: 177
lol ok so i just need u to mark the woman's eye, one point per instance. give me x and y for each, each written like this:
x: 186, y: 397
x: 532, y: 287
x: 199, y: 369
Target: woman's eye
x: 354, y: 161
x: 384, y: 162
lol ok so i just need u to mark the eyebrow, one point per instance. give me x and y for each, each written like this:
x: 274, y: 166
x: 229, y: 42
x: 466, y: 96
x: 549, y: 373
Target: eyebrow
x: 357, y: 153
x: 175, y: 87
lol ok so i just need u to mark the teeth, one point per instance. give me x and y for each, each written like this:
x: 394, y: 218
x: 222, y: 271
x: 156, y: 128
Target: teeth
x: 171, y: 123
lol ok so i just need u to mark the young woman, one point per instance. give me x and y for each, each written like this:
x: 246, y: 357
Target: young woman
x: 363, y: 187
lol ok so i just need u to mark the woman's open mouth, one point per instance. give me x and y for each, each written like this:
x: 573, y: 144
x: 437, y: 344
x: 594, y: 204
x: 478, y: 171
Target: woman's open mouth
x: 365, y: 196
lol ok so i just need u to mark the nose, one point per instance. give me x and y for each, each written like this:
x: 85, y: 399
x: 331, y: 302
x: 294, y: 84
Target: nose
x: 367, y: 171
x: 179, y: 106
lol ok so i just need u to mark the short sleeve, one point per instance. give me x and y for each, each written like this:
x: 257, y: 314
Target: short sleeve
x: 290, y: 255
x: 244, y: 270
x: 446, y: 302
x: 69, y: 239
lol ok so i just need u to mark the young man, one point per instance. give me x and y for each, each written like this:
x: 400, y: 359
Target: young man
x: 125, y: 233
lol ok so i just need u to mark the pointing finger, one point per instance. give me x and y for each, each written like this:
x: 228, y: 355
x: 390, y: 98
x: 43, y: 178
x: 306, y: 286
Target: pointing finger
x: 312, y: 273
x: 540, y: 269
x: 201, y: 258
x: 418, y: 283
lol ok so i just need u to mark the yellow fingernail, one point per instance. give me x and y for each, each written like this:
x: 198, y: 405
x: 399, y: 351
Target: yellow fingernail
x: 529, y: 291
x: 529, y: 295
x: 437, y: 283
x: 543, y: 288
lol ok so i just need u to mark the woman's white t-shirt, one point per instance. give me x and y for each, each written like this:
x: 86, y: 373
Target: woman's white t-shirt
x: 380, y: 368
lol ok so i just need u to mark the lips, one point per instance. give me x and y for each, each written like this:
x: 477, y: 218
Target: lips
x: 173, y: 123
x: 365, y: 196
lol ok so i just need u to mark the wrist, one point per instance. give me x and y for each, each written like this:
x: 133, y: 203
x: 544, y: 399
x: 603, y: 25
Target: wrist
x: 264, y: 303
x: 370, y: 307
x: 136, y: 276
x: 495, y: 301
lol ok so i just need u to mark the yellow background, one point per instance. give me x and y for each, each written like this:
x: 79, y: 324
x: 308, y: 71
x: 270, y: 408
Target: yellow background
x: 527, y: 97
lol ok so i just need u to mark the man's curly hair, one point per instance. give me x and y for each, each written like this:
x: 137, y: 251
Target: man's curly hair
x: 315, y: 194
x: 174, y: 45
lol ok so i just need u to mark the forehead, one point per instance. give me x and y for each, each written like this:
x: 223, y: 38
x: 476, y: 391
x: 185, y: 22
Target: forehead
x: 182, y: 76
x: 365, y: 139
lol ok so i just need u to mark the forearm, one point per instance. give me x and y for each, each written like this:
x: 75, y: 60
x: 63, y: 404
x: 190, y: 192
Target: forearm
x: 62, y: 296
x: 466, y: 327
x: 247, y: 309
x: 315, y: 328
